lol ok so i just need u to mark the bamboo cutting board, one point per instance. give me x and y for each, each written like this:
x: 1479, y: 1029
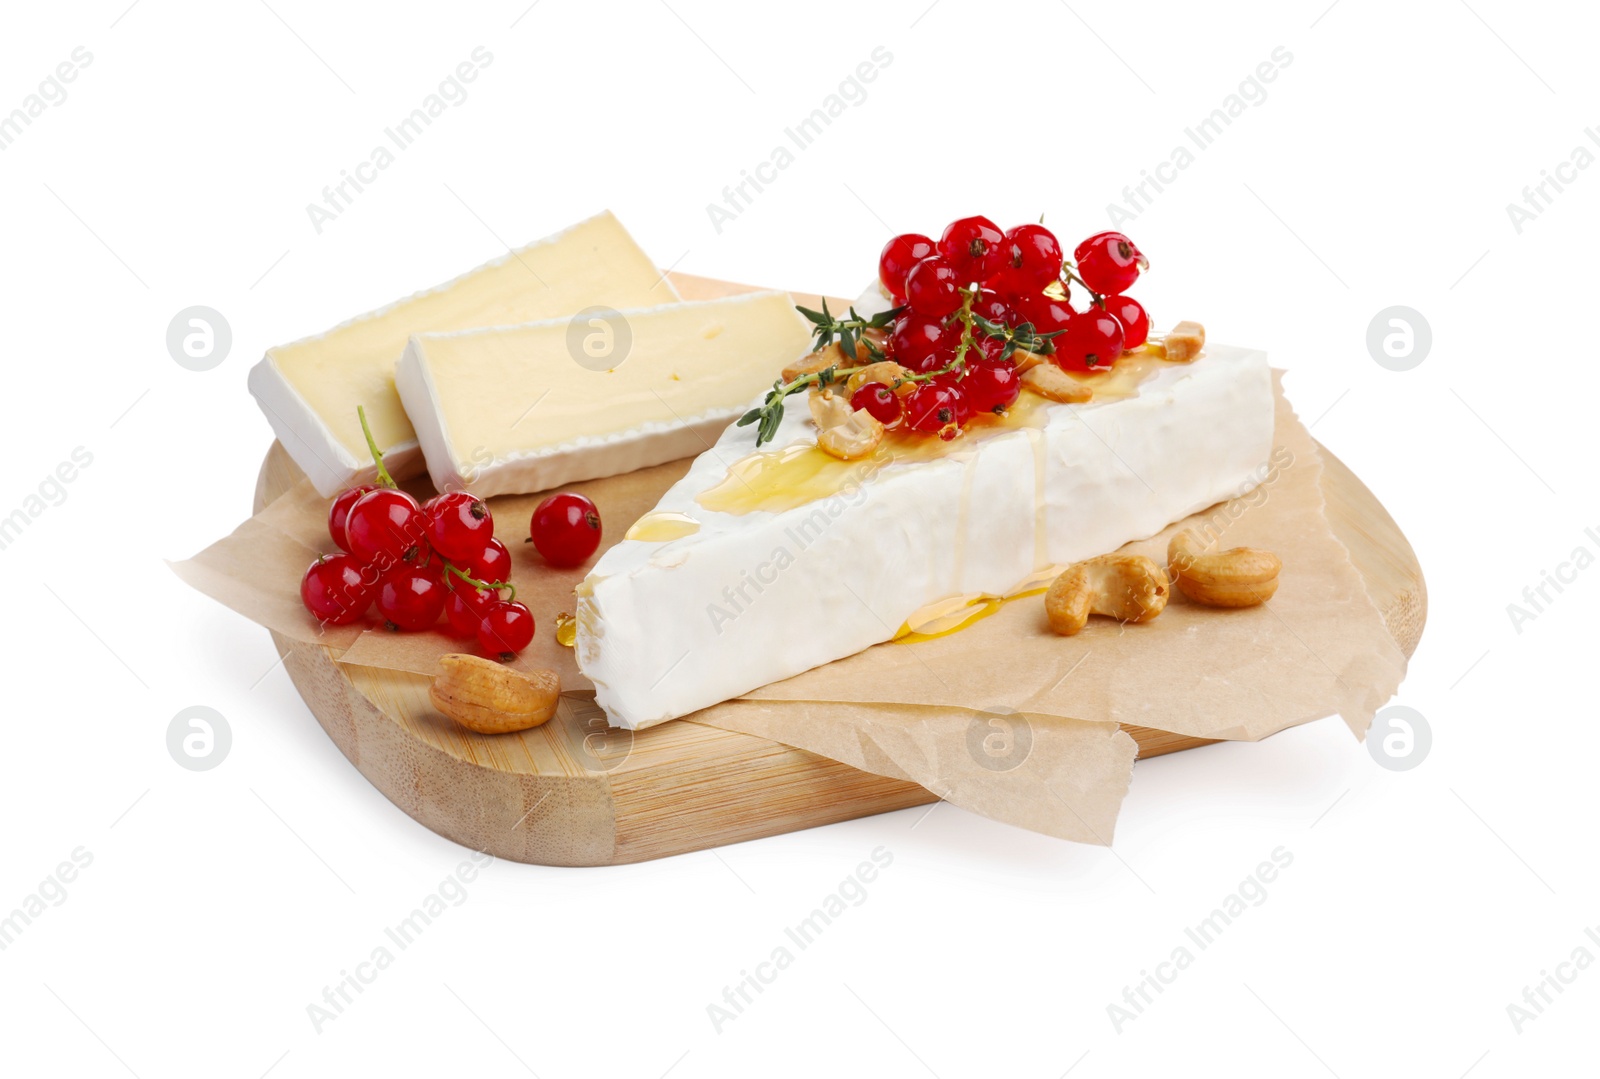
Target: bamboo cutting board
x: 577, y: 792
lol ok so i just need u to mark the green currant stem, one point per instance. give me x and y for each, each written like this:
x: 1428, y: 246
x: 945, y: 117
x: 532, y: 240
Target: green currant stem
x: 474, y: 582
x: 1094, y: 297
x: 384, y: 479
x: 965, y: 315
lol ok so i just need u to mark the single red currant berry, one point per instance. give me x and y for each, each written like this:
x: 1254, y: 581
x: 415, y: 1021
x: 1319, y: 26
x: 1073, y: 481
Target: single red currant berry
x: 956, y: 384
x: 922, y: 343
x: 1033, y: 258
x: 1135, y: 320
x: 505, y: 629
x: 991, y: 385
x: 459, y: 524
x: 880, y: 402
x: 975, y: 248
x: 932, y: 287
x: 1043, y: 313
x: 993, y: 306
x: 899, y: 255
x: 492, y: 565
x: 565, y: 528
x: 1093, y: 342
x: 410, y: 598
x: 339, y: 512
x: 465, y: 607
x: 385, y: 527
x: 932, y: 407
x: 333, y: 590
x: 1108, y: 262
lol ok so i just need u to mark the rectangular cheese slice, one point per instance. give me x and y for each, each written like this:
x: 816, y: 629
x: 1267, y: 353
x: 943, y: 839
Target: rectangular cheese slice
x: 309, y: 390
x: 516, y: 409
x: 759, y: 565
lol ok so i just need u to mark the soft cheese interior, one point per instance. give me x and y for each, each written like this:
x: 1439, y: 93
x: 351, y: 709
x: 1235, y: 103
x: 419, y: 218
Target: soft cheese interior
x: 309, y: 389
x: 749, y: 598
x: 515, y: 409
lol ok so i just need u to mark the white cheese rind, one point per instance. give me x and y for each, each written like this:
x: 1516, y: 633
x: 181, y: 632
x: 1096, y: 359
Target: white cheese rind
x: 665, y: 629
x: 320, y: 453
x: 670, y: 398
x: 594, y: 262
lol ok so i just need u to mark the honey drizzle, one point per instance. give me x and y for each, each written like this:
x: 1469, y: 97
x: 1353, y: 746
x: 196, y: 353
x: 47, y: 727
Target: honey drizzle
x: 944, y: 617
x: 776, y: 480
x: 661, y: 526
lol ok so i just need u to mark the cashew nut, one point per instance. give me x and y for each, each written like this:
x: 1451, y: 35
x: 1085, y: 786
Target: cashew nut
x: 879, y: 338
x: 1026, y: 361
x: 885, y: 371
x: 1184, y: 342
x: 1129, y: 588
x: 812, y: 362
x: 1239, y: 577
x: 1048, y: 380
x: 856, y: 437
x: 829, y: 409
x: 489, y: 698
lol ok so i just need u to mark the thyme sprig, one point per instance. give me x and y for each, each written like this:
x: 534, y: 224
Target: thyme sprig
x: 769, y: 414
x: 1023, y: 337
x: 849, y: 330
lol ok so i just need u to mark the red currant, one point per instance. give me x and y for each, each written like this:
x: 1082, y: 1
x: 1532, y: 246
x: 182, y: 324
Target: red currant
x: 993, y: 306
x: 340, y: 511
x: 333, y: 590
x: 922, y: 343
x: 1093, y: 342
x: 932, y: 287
x: 1135, y: 321
x: 880, y: 402
x: 956, y: 384
x: 1033, y: 258
x: 505, y: 629
x: 565, y: 528
x: 465, y: 607
x: 1046, y: 315
x: 1108, y: 262
x: 411, y: 597
x: 991, y: 385
x: 984, y: 347
x: 975, y: 248
x: 492, y: 565
x: 459, y: 524
x: 899, y: 255
x: 933, y: 406
x: 385, y: 527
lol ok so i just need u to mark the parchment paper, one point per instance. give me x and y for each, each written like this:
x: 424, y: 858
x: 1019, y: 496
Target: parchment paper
x: 1003, y: 718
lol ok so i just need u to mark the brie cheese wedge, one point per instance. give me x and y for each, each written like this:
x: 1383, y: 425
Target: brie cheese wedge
x: 518, y: 409
x: 761, y: 564
x: 309, y: 390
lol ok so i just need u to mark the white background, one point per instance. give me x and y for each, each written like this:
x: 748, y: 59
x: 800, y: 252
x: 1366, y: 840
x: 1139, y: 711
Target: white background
x: 1376, y: 172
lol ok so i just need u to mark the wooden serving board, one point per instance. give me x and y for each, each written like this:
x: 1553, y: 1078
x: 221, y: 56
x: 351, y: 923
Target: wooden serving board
x: 577, y: 792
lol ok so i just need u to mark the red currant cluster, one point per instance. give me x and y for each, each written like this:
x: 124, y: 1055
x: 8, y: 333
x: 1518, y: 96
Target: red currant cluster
x: 969, y: 300
x: 415, y: 561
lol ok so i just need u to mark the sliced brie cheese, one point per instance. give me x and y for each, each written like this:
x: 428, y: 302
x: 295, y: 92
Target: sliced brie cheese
x: 309, y: 390
x: 799, y: 559
x: 516, y: 409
